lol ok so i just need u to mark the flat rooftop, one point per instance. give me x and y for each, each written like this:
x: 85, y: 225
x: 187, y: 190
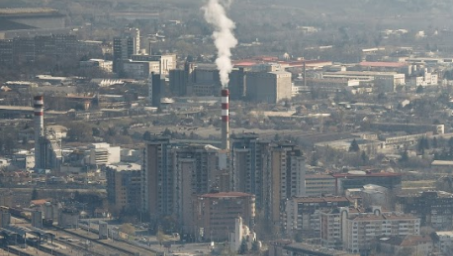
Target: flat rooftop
x: 14, y: 12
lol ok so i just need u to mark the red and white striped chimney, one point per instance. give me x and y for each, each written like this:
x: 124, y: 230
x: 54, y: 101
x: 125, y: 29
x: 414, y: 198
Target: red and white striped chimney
x: 38, y: 105
x: 39, y: 116
x: 225, y: 119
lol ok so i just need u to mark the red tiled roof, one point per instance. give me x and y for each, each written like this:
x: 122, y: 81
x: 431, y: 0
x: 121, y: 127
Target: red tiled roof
x: 226, y: 194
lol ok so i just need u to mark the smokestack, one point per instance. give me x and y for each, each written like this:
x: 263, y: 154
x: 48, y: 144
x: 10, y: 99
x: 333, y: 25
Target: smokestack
x: 305, y: 75
x: 39, y: 116
x: 38, y: 105
x: 225, y: 119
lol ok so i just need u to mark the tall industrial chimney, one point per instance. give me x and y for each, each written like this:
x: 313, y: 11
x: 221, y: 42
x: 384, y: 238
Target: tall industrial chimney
x: 225, y: 119
x: 39, y: 127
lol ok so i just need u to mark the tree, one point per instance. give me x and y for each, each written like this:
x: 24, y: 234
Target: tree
x: 314, y: 160
x: 420, y: 89
x: 34, y: 194
x: 160, y: 235
x: 354, y: 147
x: 255, y: 246
x: 404, y: 157
x: 364, y: 157
x: 434, y: 142
x: 127, y: 228
x: 298, y: 237
x: 243, y: 248
x: 80, y: 132
x: 147, y: 136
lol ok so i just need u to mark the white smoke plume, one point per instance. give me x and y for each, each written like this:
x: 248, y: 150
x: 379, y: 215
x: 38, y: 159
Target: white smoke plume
x: 224, y: 40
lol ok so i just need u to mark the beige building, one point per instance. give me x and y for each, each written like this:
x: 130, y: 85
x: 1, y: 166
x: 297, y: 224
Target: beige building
x: 383, y: 81
x: 270, y: 87
x: 317, y: 185
x: 359, y: 232
x: 302, y: 214
x: 215, y: 214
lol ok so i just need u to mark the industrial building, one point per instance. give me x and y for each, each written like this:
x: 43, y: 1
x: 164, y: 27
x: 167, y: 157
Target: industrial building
x: 17, y: 22
x: 268, y: 87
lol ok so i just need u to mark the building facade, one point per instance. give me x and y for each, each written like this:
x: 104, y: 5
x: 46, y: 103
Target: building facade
x: 215, y: 214
x: 434, y: 208
x: 302, y: 214
x: 268, y: 87
x: 123, y: 188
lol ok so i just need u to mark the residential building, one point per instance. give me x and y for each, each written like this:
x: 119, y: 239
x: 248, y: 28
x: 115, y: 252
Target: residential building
x: 123, y: 187
x: 283, y: 178
x: 319, y: 185
x: 409, y: 245
x: 359, y: 231
x: 247, y: 164
x: 172, y: 174
x: 434, y: 208
x: 268, y: 87
x: 445, y: 243
x: 157, y: 179
x: 215, y: 214
x: 302, y: 214
x: 195, y: 174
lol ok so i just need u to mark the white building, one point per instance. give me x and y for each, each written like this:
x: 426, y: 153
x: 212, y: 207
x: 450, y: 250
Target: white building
x: 427, y: 79
x: 104, y: 154
x: 241, y: 232
x: 445, y: 242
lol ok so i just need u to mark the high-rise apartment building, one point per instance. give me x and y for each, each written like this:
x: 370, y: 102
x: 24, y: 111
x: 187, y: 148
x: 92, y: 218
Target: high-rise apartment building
x: 123, y: 187
x: 273, y: 172
x: 124, y: 47
x: 195, y: 174
x: 157, y: 179
x: 248, y: 156
x: 172, y: 173
x: 284, y: 178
